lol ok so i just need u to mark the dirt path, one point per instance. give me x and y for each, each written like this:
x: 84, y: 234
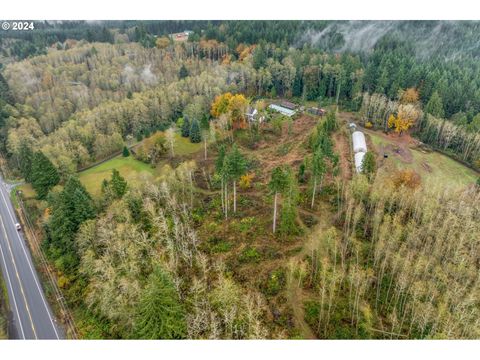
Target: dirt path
x: 342, y: 148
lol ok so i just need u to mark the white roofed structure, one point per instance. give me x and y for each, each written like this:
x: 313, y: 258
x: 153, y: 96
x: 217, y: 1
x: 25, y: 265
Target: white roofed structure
x: 282, y: 110
x: 359, y: 143
x: 359, y: 161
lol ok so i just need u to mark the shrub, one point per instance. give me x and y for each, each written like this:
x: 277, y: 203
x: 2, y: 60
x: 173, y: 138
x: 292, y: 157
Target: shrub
x: 312, y: 312
x: 246, y: 224
x: 246, y: 181
x: 249, y: 255
x: 275, y: 282
x: 218, y: 245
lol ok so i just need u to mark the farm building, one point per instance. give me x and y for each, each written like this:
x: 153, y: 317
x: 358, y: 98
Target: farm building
x: 288, y: 105
x: 316, y: 111
x: 181, y: 36
x: 359, y: 161
x: 283, y: 110
x: 359, y: 143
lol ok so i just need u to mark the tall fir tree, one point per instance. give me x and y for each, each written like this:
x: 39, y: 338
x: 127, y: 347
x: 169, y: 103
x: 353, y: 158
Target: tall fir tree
x: 195, y: 134
x: 44, y: 175
x: 434, y: 106
x: 186, y: 127
x: 235, y: 166
x: 25, y: 158
x: 160, y: 314
x: 69, y: 209
x: 369, y: 164
x: 118, y: 184
x: 183, y: 72
x: 318, y: 170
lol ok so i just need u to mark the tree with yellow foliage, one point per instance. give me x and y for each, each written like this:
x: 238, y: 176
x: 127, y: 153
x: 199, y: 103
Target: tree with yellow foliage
x: 233, y: 105
x: 220, y: 104
x: 398, y: 123
x: 406, y: 177
x: 409, y: 96
x: 246, y: 180
x: 237, y: 108
x: 162, y: 42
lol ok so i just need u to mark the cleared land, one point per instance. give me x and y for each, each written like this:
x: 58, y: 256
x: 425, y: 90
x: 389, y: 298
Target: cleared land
x: 434, y: 168
x: 130, y: 168
x: 133, y: 170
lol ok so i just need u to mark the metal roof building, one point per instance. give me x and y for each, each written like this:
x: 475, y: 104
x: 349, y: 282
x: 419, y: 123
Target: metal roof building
x: 359, y: 161
x: 282, y: 110
x: 359, y: 143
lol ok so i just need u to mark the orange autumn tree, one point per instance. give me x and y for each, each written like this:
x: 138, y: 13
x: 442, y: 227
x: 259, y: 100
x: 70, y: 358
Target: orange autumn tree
x: 233, y: 105
x: 406, y: 177
x: 220, y: 104
x: 409, y: 96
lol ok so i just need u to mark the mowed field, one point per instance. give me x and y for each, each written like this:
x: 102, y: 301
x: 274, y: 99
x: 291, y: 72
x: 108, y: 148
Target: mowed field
x: 133, y: 170
x: 435, y: 169
x: 130, y: 168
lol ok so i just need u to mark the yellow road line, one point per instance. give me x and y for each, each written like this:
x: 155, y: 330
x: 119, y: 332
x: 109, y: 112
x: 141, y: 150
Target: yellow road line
x: 18, y: 277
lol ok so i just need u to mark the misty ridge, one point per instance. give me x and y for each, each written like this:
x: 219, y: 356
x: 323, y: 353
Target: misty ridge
x: 450, y: 39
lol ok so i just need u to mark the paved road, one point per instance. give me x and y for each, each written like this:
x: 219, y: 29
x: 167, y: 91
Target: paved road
x: 31, y: 316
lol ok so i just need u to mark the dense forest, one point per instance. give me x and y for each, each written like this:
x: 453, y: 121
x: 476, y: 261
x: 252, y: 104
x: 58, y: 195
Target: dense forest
x: 212, y: 246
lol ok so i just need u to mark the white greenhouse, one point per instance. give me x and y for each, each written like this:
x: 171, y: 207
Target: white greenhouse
x: 359, y: 144
x: 359, y: 161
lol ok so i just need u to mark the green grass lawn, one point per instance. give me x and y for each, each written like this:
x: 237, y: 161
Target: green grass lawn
x: 130, y: 168
x: 134, y: 171
x: 183, y: 146
x: 434, y: 168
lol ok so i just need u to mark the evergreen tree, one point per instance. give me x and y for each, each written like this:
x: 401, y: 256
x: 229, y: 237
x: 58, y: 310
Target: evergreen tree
x: 289, y: 213
x: 435, y: 106
x: 301, y: 172
x: 235, y: 166
x: 25, y: 158
x: 330, y: 122
x: 44, y: 175
x: 186, y: 127
x: 219, y: 163
x: 69, y: 209
x: 118, y: 184
x: 195, y: 134
x: 318, y: 170
x: 369, y: 164
x: 259, y: 57
x: 125, y: 152
x: 160, y: 313
x: 183, y: 72
x: 220, y: 158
